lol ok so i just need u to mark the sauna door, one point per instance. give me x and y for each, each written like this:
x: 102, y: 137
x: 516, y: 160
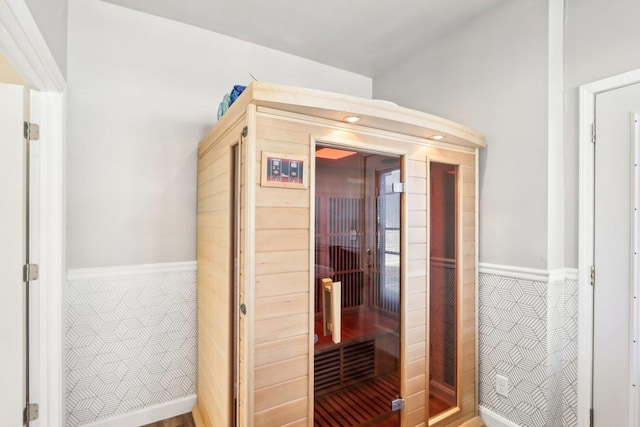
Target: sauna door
x: 357, y: 288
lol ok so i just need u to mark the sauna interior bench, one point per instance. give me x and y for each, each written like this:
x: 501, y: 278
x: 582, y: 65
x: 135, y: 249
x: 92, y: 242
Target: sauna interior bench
x: 357, y: 326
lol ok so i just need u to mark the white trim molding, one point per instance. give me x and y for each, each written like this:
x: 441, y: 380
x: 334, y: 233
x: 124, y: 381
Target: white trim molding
x: 555, y: 275
x: 25, y: 48
x: 513, y: 272
x: 52, y: 258
x: 586, y: 205
x: 492, y: 419
x: 150, y: 414
x: 130, y: 270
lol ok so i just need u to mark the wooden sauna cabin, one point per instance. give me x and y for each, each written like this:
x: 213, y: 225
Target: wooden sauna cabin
x: 337, y: 264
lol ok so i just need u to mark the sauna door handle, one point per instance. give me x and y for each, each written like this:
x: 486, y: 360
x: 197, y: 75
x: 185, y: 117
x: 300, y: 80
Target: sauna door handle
x: 332, y: 309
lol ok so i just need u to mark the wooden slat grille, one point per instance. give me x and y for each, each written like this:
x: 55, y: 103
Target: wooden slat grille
x: 343, y: 365
x: 326, y: 368
x: 358, y: 361
x: 364, y: 404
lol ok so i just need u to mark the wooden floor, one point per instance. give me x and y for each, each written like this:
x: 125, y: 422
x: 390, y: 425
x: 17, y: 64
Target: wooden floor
x: 365, y: 404
x: 185, y: 420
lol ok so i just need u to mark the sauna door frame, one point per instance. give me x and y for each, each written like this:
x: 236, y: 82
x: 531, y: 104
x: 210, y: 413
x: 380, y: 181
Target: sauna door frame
x: 383, y: 150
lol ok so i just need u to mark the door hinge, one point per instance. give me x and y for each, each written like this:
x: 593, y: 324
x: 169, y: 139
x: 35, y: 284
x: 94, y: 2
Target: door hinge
x: 245, y: 131
x: 593, y: 275
x: 30, y: 413
x: 30, y: 272
x: 593, y: 133
x: 397, y: 404
x: 398, y: 187
x: 31, y: 131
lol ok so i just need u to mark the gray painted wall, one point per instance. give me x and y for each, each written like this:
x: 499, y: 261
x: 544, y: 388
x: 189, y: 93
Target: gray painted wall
x: 142, y: 92
x: 491, y: 74
x: 495, y: 82
x: 472, y: 75
x: 601, y: 40
x: 51, y: 18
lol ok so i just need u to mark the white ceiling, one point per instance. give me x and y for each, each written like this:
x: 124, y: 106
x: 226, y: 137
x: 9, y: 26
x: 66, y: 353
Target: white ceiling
x: 363, y: 36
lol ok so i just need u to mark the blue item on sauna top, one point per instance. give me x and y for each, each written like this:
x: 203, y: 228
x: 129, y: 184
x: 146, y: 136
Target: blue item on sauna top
x: 235, y: 93
x: 229, y: 98
x: 224, y: 105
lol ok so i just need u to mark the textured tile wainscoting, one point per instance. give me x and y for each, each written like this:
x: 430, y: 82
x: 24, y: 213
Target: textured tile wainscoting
x: 131, y: 342
x: 570, y: 352
x: 130, y: 339
x: 528, y: 333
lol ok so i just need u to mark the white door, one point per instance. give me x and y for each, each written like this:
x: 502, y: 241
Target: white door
x: 12, y: 255
x: 613, y: 386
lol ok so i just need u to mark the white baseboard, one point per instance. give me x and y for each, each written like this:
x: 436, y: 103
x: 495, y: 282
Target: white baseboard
x: 150, y: 414
x: 491, y: 419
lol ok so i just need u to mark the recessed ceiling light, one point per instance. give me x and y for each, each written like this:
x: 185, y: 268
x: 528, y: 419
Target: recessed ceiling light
x: 352, y: 119
x: 437, y: 137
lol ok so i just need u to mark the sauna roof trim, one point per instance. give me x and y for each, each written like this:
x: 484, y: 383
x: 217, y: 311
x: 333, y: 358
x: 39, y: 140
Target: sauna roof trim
x: 374, y: 113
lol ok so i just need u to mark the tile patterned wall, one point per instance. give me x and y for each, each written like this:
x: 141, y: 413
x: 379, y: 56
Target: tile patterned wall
x: 131, y: 343
x: 512, y: 342
x: 130, y: 339
x: 570, y: 354
x: 555, y: 369
x: 528, y: 333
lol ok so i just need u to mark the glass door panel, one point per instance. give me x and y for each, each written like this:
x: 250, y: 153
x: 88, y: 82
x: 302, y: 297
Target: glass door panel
x: 443, y: 296
x: 357, y: 244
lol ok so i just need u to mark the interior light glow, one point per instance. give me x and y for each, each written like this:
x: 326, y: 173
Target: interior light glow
x: 437, y: 137
x: 333, y: 153
x: 352, y: 119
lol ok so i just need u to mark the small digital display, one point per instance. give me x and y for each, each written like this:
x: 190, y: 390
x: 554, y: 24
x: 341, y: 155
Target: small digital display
x: 284, y: 170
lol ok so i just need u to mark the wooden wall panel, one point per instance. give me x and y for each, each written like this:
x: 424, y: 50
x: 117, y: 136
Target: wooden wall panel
x: 283, y: 414
x: 280, y: 372
x: 281, y: 393
x: 282, y: 305
x: 282, y: 350
x: 271, y: 218
x: 274, y: 285
x: 214, y: 290
x: 282, y: 292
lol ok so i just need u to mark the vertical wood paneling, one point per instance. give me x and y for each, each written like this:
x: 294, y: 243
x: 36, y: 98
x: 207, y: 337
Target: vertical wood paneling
x: 214, y: 285
x: 282, y: 261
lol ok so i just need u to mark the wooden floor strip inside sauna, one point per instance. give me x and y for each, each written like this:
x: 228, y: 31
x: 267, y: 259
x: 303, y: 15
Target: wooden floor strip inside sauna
x: 365, y: 404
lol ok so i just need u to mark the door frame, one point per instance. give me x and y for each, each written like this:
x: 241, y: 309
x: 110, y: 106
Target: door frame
x: 373, y: 148
x: 586, y: 222
x: 26, y: 49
